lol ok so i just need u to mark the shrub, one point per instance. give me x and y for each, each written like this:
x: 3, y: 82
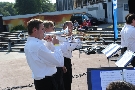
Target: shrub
x: 19, y: 28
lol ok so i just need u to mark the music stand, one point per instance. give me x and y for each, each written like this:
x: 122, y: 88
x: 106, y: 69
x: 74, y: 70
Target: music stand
x: 110, y: 50
x: 125, y: 59
x: 94, y: 78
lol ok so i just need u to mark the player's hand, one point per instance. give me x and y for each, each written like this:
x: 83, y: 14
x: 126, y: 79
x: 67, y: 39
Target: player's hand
x: 55, y: 41
x: 48, y: 38
x: 64, y: 69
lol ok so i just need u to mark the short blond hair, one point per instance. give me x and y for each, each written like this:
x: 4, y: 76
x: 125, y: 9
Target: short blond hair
x: 48, y: 24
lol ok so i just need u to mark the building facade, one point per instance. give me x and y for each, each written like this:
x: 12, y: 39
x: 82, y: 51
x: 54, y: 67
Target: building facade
x: 122, y: 10
x: 92, y: 5
x: 64, y: 5
x: 73, y: 4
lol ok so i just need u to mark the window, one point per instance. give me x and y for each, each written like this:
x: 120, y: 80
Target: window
x: 89, y: 15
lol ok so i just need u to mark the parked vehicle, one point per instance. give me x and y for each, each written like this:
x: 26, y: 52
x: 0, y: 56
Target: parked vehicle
x: 80, y: 16
x: 93, y: 20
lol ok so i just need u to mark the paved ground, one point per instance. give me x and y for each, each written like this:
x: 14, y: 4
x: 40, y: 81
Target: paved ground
x: 16, y: 74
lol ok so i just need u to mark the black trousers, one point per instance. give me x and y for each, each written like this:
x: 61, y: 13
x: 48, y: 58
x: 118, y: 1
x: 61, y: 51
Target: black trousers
x: 133, y: 62
x: 123, y: 50
x: 47, y: 83
x: 59, y: 78
x: 67, y: 77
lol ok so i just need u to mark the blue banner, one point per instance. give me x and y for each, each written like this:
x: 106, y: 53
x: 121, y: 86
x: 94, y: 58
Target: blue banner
x: 115, y: 19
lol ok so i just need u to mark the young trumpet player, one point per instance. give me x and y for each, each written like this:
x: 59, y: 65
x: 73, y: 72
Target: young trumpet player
x: 67, y: 49
x: 67, y: 53
x: 49, y: 27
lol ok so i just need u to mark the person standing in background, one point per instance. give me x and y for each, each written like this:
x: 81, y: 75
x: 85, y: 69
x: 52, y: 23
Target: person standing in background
x: 76, y: 25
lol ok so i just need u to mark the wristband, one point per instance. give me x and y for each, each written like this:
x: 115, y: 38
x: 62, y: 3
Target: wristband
x: 56, y: 44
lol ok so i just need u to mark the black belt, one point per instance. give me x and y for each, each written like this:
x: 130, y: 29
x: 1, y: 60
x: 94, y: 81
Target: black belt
x: 66, y: 58
x: 50, y: 76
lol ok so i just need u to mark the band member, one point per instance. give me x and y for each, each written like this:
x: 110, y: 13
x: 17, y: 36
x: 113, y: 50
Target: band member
x: 123, y: 36
x: 40, y: 59
x: 129, y: 35
x: 66, y: 48
x: 49, y: 27
x: 68, y: 54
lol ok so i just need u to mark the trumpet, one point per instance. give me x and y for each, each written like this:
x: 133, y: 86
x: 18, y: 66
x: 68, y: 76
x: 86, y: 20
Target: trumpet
x: 57, y: 33
x: 62, y: 36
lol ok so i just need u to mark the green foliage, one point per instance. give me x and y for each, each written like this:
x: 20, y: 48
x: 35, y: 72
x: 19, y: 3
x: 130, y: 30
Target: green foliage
x: 19, y: 28
x: 7, y: 9
x: 21, y: 7
x: 28, y: 6
x: 47, y: 6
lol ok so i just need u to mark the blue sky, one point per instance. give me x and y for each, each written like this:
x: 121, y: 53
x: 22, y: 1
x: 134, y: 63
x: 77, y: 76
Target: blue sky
x: 54, y: 1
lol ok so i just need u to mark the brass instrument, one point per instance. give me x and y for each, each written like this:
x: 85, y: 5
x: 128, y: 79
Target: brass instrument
x: 57, y: 33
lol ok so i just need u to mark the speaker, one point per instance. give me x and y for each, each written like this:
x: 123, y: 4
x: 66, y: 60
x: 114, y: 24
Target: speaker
x: 5, y: 28
x: 1, y: 24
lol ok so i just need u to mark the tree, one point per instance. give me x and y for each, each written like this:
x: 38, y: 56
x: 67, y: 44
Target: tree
x: 28, y: 6
x: 7, y: 9
x: 47, y: 6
